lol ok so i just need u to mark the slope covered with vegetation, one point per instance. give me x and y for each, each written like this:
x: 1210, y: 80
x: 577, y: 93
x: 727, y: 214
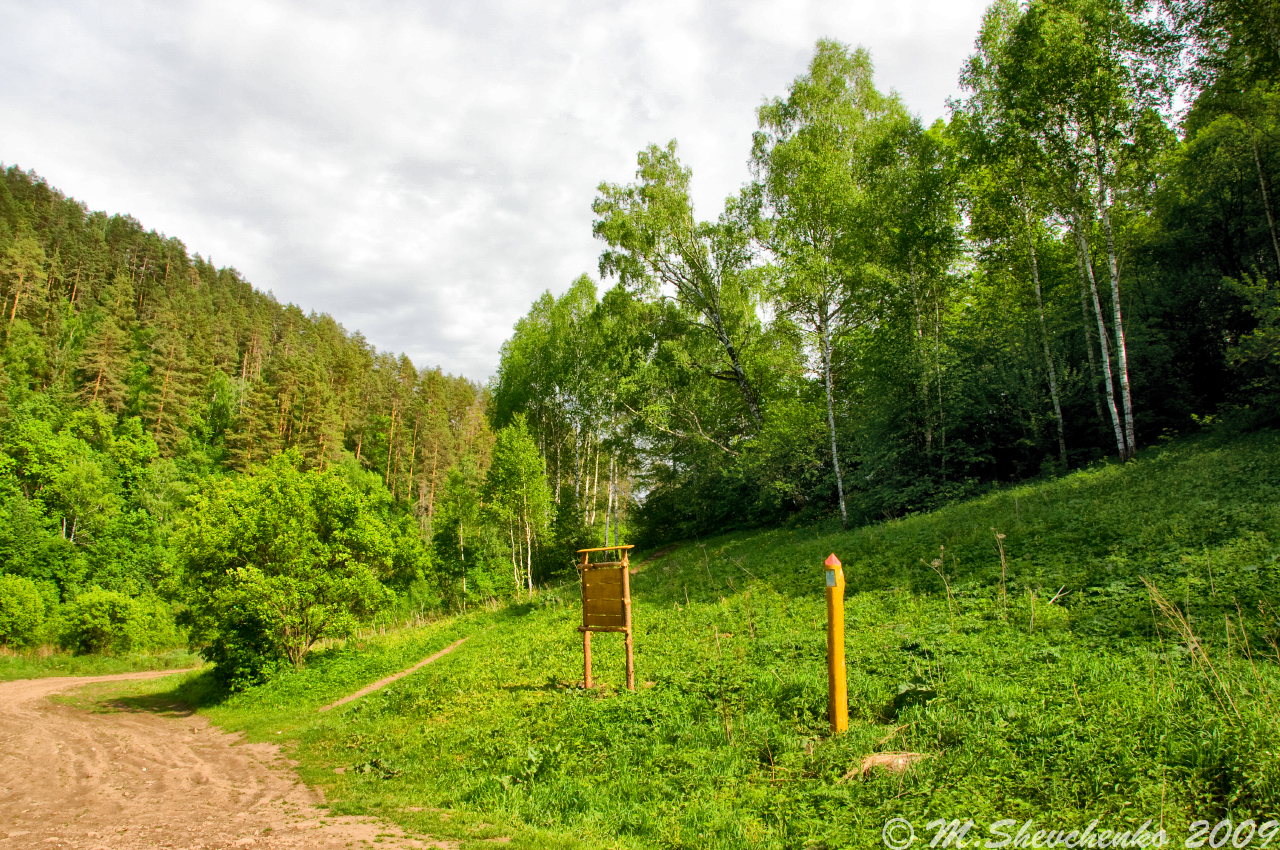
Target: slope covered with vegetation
x: 1052, y: 685
x: 887, y: 318
x: 134, y: 375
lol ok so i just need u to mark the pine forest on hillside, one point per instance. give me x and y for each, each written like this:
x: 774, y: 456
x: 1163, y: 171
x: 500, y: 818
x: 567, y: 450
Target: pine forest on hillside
x: 888, y: 318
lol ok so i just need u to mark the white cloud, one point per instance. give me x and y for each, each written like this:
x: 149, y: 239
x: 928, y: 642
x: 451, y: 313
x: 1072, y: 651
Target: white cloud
x: 420, y: 171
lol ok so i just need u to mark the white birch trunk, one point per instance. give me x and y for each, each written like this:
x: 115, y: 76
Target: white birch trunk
x: 515, y: 556
x: 824, y: 346
x: 1113, y: 266
x: 1095, y: 392
x: 528, y: 554
x: 1082, y: 246
x: 1266, y: 199
x: 612, y: 509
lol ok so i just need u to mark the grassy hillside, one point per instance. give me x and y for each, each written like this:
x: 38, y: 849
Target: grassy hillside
x: 1065, y: 696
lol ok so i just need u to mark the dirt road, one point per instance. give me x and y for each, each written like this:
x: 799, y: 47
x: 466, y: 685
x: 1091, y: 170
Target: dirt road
x: 152, y: 778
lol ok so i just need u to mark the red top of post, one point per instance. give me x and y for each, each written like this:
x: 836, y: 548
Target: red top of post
x: 832, y: 561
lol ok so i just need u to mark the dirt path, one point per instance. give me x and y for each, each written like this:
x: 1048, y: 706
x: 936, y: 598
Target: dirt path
x: 153, y: 778
x: 382, y: 683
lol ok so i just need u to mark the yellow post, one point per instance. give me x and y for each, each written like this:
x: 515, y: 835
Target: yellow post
x: 837, y: 694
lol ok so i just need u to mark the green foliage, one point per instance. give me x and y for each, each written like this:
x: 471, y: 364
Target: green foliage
x: 21, y: 611
x: 277, y: 560
x: 102, y: 621
x: 133, y: 373
x: 1258, y: 355
x: 1077, y: 311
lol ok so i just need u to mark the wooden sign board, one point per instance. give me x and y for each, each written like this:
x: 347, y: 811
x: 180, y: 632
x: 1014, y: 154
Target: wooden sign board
x: 603, y: 603
x: 606, y: 603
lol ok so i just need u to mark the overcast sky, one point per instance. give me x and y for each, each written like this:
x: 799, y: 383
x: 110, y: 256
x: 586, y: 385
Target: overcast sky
x: 421, y: 171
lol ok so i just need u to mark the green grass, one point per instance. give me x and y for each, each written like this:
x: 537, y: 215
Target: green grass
x: 44, y: 662
x: 1089, y: 706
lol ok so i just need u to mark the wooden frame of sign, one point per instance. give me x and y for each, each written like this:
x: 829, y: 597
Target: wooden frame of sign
x: 606, y: 604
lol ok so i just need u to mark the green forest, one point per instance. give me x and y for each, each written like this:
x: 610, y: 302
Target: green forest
x: 892, y: 317
x: 1080, y: 262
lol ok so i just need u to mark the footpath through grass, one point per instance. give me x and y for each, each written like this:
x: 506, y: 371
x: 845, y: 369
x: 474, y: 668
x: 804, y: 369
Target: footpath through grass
x: 1062, y: 695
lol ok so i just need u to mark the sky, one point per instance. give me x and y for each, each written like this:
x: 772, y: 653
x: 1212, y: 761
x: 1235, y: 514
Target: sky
x: 422, y: 171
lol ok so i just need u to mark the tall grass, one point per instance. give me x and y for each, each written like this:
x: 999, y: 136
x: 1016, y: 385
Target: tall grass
x: 42, y: 661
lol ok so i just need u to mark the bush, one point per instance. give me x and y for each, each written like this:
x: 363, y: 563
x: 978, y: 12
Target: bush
x: 102, y: 621
x: 157, y: 628
x: 276, y: 561
x: 244, y: 653
x: 21, y: 610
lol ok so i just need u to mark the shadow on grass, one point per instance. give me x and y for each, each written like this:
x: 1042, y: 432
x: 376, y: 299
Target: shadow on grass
x: 550, y: 685
x: 196, y: 691
x: 161, y: 705
x: 180, y: 700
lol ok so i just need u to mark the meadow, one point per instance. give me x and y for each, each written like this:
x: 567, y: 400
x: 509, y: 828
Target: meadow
x: 1033, y: 675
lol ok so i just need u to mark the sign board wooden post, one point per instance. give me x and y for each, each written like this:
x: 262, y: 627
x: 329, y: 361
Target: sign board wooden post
x: 837, y: 695
x: 606, y: 604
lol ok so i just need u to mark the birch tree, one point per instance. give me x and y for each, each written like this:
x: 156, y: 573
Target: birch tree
x: 1006, y: 201
x: 519, y: 498
x: 1079, y: 80
x: 826, y: 157
x: 656, y: 242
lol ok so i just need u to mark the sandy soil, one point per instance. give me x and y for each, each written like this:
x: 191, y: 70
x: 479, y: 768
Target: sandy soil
x: 159, y: 777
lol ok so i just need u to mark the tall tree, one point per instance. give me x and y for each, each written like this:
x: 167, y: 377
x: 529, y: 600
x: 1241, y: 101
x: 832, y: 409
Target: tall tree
x: 1081, y: 81
x: 657, y: 245
x: 1007, y: 203
x: 23, y: 266
x: 516, y: 491
x: 827, y: 158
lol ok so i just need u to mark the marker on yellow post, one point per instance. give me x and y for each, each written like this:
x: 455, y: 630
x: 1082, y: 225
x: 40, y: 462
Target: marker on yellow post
x: 837, y: 694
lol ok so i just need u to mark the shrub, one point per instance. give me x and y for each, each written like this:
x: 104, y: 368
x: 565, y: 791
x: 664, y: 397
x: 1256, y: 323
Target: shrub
x: 276, y: 561
x: 157, y: 628
x: 21, y: 610
x: 245, y: 651
x: 102, y: 621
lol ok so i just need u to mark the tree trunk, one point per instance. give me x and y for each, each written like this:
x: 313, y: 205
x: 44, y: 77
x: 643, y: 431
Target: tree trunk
x: 824, y: 345
x: 942, y: 408
x: 577, y: 468
x: 589, y: 508
x: 528, y: 554
x: 743, y: 384
x: 1044, y: 338
x: 413, y: 458
x: 431, y: 492
x: 1095, y: 392
x: 164, y: 394
x: 1082, y: 247
x: 515, y: 557
x: 391, y: 441
x: 1122, y: 353
x: 1266, y: 199
x: 462, y: 554
x: 17, y: 294
x: 610, y: 512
